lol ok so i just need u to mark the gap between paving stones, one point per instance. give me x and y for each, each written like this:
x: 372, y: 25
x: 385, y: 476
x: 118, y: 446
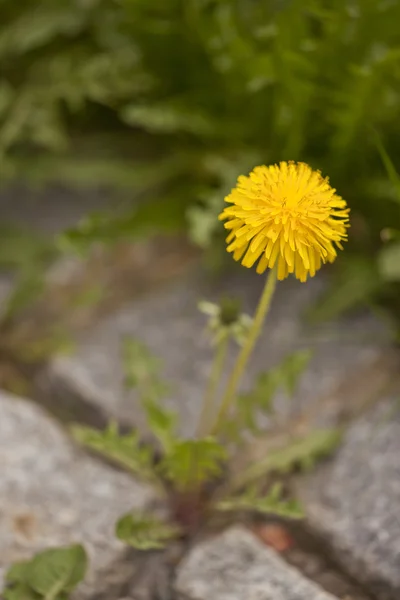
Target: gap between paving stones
x: 234, y: 566
x: 352, y: 501
x: 342, y: 403
x: 52, y: 493
x: 94, y: 414
x: 99, y: 356
x: 156, y: 575
x: 312, y: 555
x: 91, y: 413
x: 149, y: 577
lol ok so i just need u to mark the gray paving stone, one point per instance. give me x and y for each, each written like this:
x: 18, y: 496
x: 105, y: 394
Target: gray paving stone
x: 52, y: 494
x: 237, y: 566
x: 91, y: 381
x: 354, y: 501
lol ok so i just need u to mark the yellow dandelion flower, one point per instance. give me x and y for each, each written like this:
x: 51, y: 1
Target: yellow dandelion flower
x: 286, y: 215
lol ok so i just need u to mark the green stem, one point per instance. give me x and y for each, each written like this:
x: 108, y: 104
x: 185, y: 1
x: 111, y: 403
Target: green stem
x: 216, y: 372
x: 244, y: 355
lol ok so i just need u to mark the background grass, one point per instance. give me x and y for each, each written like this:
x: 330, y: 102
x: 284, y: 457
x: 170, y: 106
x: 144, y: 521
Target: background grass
x: 178, y: 97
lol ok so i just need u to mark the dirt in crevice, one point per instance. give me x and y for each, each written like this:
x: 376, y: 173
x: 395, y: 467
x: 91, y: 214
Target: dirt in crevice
x: 142, y: 575
x: 151, y: 575
x: 313, y: 557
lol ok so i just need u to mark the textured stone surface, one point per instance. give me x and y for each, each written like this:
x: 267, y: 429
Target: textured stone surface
x: 52, y: 494
x: 354, y: 502
x: 236, y: 566
x: 171, y: 325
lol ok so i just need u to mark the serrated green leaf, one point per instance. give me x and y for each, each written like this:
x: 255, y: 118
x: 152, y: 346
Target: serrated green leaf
x: 162, y: 423
x: 273, y: 503
x: 191, y: 463
x: 303, y: 453
x: 145, y: 532
x: 56, y: 571
x: 125, y: 450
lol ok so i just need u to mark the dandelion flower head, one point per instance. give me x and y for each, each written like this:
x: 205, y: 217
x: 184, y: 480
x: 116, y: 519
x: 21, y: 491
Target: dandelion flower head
x: 285, y: 215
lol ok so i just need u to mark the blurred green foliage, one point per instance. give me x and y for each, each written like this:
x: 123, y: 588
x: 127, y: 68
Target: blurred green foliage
x: 183, y: 95
x: 52, y: 574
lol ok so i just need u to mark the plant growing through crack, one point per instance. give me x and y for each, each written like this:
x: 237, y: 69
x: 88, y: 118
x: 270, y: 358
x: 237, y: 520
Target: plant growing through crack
x: 289, y: 219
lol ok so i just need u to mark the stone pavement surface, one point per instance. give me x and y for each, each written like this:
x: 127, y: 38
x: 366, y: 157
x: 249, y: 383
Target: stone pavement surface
x: 237, y: 566
x: 52, y: 494
x: 354, y: 502
x: 170, y: 324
